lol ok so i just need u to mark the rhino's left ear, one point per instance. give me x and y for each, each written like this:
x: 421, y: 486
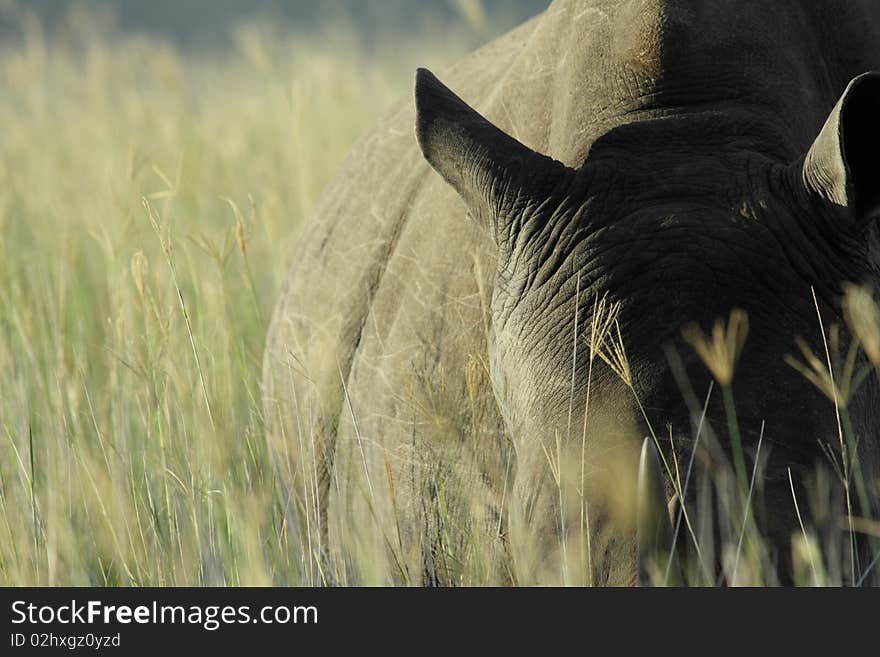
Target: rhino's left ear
x: 843, y: 164
x: 496, y: 175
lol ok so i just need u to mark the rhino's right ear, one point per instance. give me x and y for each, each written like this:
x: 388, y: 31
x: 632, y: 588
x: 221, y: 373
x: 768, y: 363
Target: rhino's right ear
x: 843, y: 165
x: 497, y: 176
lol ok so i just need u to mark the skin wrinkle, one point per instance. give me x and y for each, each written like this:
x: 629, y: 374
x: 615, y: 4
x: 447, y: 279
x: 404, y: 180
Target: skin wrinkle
x: 744, y: 240
x: 807, y: 260
x: 753, y: 252
x: 819, y: 226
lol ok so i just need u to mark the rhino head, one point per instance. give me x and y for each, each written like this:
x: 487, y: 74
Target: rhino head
x: 671, y: 223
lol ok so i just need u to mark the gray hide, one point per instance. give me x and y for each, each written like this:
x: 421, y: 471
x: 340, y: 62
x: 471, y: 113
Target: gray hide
x: 426, y: 370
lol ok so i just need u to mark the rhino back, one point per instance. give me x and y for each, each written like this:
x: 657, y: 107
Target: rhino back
x: 382, y: 312
x: 376, y: 386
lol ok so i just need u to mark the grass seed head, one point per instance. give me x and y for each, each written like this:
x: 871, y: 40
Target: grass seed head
x: 606, y: 340
x: 720, y: 351
x: 863, y: 317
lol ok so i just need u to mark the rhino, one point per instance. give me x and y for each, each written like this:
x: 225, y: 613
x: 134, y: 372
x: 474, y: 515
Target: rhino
x: 500, y: 298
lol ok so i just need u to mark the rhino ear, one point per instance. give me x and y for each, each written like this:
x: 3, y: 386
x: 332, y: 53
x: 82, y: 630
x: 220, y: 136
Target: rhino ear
x: 497, y: 176
x: 843, y: 164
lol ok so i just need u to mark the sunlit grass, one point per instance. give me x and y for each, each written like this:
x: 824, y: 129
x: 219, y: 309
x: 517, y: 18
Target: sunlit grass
x: 149, y: 203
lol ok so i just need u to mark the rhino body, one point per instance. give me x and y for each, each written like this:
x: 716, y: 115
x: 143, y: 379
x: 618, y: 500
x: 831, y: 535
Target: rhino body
x: 428, y: 364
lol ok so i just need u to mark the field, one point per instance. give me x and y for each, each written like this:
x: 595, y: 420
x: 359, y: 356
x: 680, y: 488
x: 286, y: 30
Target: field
x: 150, y: 202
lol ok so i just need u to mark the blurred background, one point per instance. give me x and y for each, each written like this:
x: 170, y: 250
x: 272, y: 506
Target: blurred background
x: 158, y: 162
x: 212, y: 22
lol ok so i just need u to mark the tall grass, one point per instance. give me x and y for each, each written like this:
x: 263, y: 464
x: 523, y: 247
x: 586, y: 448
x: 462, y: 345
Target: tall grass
x: 149, y: 203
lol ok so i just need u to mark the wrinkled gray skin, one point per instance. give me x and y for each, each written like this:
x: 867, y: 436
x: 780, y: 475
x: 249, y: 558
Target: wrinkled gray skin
x: 425, y: 340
